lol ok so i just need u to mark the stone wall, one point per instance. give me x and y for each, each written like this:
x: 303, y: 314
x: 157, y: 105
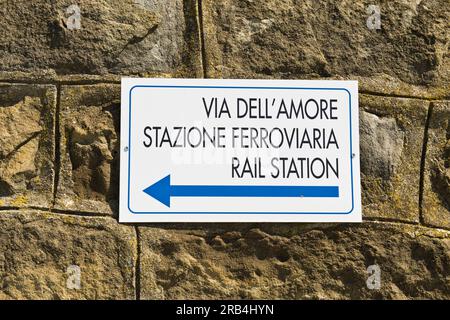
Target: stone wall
x: 59, y: 141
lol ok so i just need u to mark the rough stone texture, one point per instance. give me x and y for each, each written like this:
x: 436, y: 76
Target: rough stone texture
x: 308, y: 39
x: 89, y: 131
x: 436, y: 199
x: 391, y: 137
x: 37, y: 249
x: 292, y: 39
x: 328, y: 263
x: 116, y: 36
x: 26, y: 145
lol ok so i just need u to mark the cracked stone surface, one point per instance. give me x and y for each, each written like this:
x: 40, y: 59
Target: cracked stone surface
x: 294, y: 262
x: 382, y: 145
x: 391, y: 137
x: 436, y: 199
x: 113, y: 36
x: 89, y: 130
x: 26, y: 144
x: 292, y: 39
x: 39, y: 251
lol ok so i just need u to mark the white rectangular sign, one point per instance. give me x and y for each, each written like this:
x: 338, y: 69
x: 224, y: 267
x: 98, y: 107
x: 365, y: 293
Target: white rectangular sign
x: 203, y: 150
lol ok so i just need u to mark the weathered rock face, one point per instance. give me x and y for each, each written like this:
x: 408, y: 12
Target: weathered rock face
x: 266, y: 38
x: 26, y: 144
x: 381, y: 145
x: 41, y: 253
x: 436, y: 199
x: 98, y: 37
x: 325, y: 263
x: 89, y: 130
x: 391, y: 137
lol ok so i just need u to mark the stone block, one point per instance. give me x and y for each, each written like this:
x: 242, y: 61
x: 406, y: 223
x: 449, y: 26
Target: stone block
x: 391, y: 140
x: 27, y: 115
x: 319, y: 263
x: 100, y: 37
x: 308, y: 39
x: 436, y: 197
x: 89, y: 131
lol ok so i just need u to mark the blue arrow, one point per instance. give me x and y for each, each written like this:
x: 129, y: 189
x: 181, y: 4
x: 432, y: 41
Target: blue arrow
x: 163, y: 191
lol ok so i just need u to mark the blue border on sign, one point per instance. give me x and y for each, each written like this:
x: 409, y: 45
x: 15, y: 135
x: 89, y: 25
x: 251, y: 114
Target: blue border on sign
x: 234, y: 87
